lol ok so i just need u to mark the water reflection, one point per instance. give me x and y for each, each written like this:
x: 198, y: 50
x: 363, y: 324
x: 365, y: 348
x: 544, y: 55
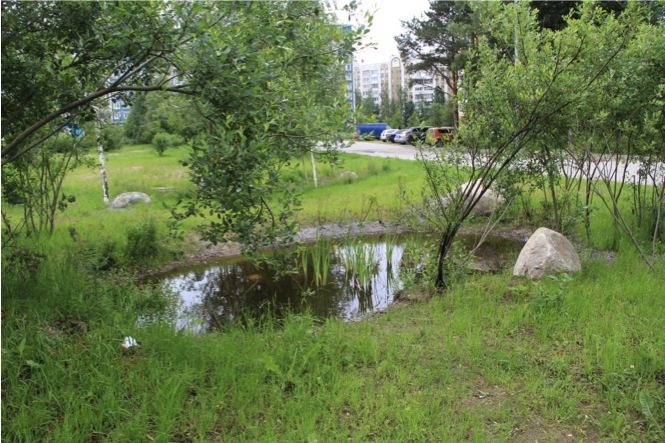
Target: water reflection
x: 363, y: 277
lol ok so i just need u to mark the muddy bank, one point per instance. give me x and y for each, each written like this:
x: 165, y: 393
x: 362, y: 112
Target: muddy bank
x: 207, y: 252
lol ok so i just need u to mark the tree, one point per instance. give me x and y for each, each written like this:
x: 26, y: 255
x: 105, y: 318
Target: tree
x: 136, y: 126
x: 439, y: 42
x: 60, y: 57
x: 166, y: 113
x: 440, y: 111
x: 283, y: 97
x: 509, y: 103
x: 385, y: 106
x: 622, y: 122
x: 552, y: 14
x: 369, y: 109
x: 264, y: 79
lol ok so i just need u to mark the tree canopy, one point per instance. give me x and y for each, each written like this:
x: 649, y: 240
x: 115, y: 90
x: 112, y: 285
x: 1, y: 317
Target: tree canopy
x: 439, y: 41
x: 58, y: 57
x: 264, y: 79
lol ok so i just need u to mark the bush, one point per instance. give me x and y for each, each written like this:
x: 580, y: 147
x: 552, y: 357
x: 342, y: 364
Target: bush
x: 163, y: 140
x: 22, y: 261
x: 106, y: 257
x: 142, y: 243
x: 113, y: 136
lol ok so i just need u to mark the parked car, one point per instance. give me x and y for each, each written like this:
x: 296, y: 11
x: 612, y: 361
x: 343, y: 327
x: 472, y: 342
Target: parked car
x: 391, y: 137
x: 441, y: 135
x: 371, y: 130
x: 412, y: 135
x: 385, y: 135
x: 403, y: 136
x: 418, y: 134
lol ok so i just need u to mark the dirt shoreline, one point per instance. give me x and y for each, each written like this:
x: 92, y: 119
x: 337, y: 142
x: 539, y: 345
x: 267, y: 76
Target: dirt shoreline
x: 207, y: 252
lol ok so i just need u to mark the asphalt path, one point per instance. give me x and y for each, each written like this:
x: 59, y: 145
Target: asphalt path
x: 604, y: 167
x: 381, y: 149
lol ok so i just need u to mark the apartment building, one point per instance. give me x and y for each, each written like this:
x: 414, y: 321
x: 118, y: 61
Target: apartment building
x: 391, y: 77
x: 371, y: 80
x: 119, y: 110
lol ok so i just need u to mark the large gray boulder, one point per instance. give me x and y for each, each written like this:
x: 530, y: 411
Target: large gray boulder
x: 545, y: 253
x: 487, y: 203
x: 126, y: 198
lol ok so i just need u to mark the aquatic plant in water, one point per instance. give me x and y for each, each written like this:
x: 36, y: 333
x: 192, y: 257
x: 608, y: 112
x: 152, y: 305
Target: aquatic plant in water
x: 318, y: 255
x: 359, y: 260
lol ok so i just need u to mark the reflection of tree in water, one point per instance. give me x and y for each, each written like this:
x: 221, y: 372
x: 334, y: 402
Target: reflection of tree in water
x: 236, y: 291
x: 233, y: 292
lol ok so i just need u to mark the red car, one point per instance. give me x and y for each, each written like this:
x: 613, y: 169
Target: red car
x: 441, y: 135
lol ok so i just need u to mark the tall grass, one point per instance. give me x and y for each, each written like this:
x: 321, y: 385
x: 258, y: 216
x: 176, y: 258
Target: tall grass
x: 360, y: 261
x: 317, y: 257
x: 580, y: 356
x: 390, y: 241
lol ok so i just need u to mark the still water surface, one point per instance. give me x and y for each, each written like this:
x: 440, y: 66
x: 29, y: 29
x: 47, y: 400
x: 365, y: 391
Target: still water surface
x: 214, y: 294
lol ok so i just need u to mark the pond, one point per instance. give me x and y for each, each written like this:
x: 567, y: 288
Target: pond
x: 347, y: 279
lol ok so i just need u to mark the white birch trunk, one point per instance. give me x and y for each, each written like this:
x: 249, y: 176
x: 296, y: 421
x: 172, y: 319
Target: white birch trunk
x: 316, y: 180
x: 100, y: 153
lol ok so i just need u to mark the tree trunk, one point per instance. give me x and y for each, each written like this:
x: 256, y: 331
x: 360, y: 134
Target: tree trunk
x: 314, y: 176
x: 445, y: 243
x: 455, y: 103
x: 102, y: 158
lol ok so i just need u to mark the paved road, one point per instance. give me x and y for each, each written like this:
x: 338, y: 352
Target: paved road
x: 605, y: 167
x: 381, y: 149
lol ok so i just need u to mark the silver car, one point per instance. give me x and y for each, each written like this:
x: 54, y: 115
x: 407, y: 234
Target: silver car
x: 403, y: 136
x: 383, y: 135
x: 388, y: 134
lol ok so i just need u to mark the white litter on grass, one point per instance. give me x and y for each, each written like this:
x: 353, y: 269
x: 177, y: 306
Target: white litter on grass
x: 129, y: 342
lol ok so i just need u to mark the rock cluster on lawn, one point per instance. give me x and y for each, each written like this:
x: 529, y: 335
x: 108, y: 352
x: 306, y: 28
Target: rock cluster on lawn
x: 126, y: 198
x: 545, y: 253
x: 487, y: 203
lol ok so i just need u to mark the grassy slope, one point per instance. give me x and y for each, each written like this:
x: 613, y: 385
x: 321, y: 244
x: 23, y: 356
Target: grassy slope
x: 493, y: 360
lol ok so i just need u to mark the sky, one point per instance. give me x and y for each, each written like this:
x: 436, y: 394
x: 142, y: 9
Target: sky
x: 386, y: 25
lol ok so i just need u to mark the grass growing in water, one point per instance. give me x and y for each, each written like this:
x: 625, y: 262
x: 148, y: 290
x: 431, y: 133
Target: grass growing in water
x: 360, y: 261
x: 390, y: 241
x: 317, y: 257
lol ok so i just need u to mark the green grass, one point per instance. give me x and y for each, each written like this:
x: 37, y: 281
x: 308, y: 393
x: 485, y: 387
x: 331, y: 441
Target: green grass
x: 495, y: 359
x: 375, y: 195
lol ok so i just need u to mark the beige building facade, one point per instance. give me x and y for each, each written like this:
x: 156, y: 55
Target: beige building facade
x: 389, y: 78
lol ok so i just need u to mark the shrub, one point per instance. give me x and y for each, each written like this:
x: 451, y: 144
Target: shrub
x: 163, y: 140
x: 113, y: 136
x: 106, y: 256
x: 22, y: 261
x: 142, y: 243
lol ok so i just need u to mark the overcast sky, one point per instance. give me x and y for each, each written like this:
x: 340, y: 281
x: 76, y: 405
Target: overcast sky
x: 386, y: 25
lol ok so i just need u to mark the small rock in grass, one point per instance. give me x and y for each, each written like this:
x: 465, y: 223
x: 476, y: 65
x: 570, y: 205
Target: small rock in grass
x: 348, y: 176
x: 486, y: 205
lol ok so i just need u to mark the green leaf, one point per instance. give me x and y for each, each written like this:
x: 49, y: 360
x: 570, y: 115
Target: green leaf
x: 21, y: 347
